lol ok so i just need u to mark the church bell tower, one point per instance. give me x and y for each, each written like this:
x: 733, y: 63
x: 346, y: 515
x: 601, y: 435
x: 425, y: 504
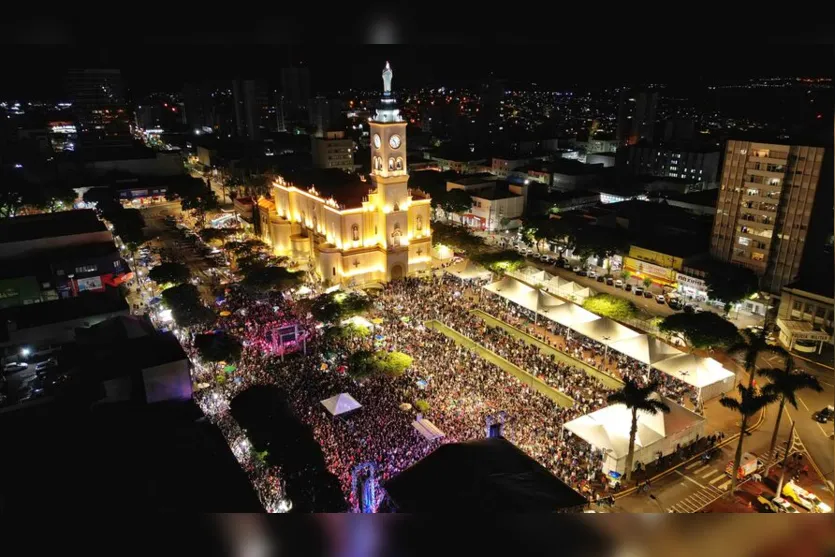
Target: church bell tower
x: 388, y: 149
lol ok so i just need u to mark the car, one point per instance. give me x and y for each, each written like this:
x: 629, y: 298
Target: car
x: 824, y: 415
x: 660, y: 299
x: 698, y: 309
x: 618, y: 283
x: 767, y: 505
x: 546, y: 258
x: 639, y: 291
x: 801, y: 497
x: 647, y: 294
x: 674, y: 304
x: 14, y: 367
x: 582, y: 272
x: 688, y: 308
x: 784, y: 506
x: 576, y: 269
x: 592, y: 274
x: 46, y: 364
x: 566, y: 264
x: 601, y: 278
x: 627, y: 287
x: 610, y: 281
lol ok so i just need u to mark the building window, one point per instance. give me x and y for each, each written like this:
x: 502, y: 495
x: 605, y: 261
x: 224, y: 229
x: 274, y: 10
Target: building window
x: 86, y: 269
x: 355, y: 233
x: 395, y: 236
x: 797, y: 306
x: 419, y: 223
x: 333, y: 271
x: 398, y: 165
x: 808, y: 309
x: 820, y: 312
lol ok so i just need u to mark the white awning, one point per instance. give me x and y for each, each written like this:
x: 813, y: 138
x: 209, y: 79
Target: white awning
x: 605, y: 330
x: 520, y: 293
x: 340, y: 404
x: 468, y: 270
x: 706, y: 374
x: 428, y: 430
x: 608, y: 428
x: 570, y: 315
x: 646, y: 349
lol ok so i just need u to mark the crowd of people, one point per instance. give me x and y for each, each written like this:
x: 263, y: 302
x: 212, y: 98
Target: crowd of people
x: 460, y: 388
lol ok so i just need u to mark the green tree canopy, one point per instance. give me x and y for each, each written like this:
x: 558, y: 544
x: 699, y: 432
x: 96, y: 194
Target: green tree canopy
x: 211, y: 234
x: 500, y: 262
x: 218, y: 347
x: 170, y: 273
x: 185, y: 305
x: 269, y: 278
x: 729, y: 283
x: 364, y: 363
x: 701, y: 330
x: 336, y: 306
x: 456, y: 237
x: 599, y: 241
x: 610, y: 306
x: 456, y: 201
x: 194, y: 195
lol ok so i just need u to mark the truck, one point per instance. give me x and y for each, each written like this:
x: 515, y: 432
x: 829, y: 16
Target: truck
x: 747, y: 466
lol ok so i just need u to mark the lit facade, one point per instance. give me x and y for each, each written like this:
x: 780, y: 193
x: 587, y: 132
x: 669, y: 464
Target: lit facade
x: 765, y: 204
x: 383, y: 235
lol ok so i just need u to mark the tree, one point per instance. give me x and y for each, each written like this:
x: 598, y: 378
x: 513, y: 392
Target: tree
x: 750, y: 402
x: 104, y: 198
x: 456, y: 237
x: 625, y: 275
x: 350, y: 331
x: 729, y: 283
x: 269, y: 278
x: 500, y: 262
x: 456, y: 201
x: 393, y: 364
x: 785, y: 383
x: 185, y: 305
x: 336, y: 306
x: 647, y: 282
x: 598, y: 241
x: 422, y: 406
x: 57, y: 195
x: 547, y: 229
x: 637, y: 399
x: 701, y: 330
x: 170, y: 273
x: 212, y: 235
x: 13, y: 190
x: 194, y: 195
x: 361, y: 364
x: 749, y: 345
x: 610, y: 306
x: 218, y: 347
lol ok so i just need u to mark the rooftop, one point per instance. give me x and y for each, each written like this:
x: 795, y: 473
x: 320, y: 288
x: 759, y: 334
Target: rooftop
x: 486, y: 475
x: 45, y: 313
x: 500, y: 190
x: 50, y: 225
x: 39, y: 262
x: 472, y: 179
x: 347, y: 189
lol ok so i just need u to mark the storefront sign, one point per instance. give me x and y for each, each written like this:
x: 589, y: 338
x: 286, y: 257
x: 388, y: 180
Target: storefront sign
x: 92, y: 283
x: 697, y: 284
x: 649, y: 268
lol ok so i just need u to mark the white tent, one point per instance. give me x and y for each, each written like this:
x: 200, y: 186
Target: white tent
x: 646, y: 349
x: 468, y: 270
x: 555, y: 284
x: 526, y: 296
x: 570, y: 315
x: 534, y: 275
x: 427, y: 429
x: 706, y: 375
x: 340, y: 404
x: 605, y: 330
x: 608, y: 429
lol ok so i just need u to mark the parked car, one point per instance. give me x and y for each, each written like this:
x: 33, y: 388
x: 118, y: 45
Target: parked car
x: 698, y: 309
x: 566, y: 264
x: 627, y: 287
x: 46, y: 364
x: 14, y: 367
x: 639, y: 291
x: 592, y: 274
x: 824, y: 415
x: 610, y: 281
x: 767, y: 505
x: 803, y: 498
x: 546, y: 258
x: 660, y: 299
x: 618, y: 283
x: 784, y: 506
x: 647, y: 294
x: 601, y: 278
x: 576, y: 269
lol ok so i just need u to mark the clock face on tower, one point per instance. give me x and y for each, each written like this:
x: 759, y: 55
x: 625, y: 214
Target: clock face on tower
x: 377, y: 141
x: 394, y: 141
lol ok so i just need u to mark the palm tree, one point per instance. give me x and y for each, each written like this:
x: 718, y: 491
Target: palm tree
x: 637, y: 398
x: 750, y: 346
x: 784, y: 384
x: 749, y: 403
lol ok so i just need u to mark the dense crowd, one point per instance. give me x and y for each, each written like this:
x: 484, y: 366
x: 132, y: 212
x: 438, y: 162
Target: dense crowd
x: 461, y: 388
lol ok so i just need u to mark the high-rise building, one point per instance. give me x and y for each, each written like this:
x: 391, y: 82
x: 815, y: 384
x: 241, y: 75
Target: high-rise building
x: 326, y: 115
x: 295, y: 86
x: 673, y: 161
x: 251, y: 108
x: 98, y: 102
x: 333, y: 150
x: 636, y: 116
x: 767, y: 193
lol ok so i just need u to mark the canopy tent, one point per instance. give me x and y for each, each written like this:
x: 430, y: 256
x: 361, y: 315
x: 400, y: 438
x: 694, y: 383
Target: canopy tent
x: 555, y: 284
x: 646, y: 349
x: 427, y: 429
x: 608, y: 429
x: 516, y: 291
x: 707, y: 375
x: 340, y: 404
x: 574, y: 291
x: 547, y: 303
x: 571, y: 314
x: 534, y: 275
x: 605, y: 330
x: 468, y: 270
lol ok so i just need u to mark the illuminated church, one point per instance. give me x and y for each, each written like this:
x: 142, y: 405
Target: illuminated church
x: 349, y: 232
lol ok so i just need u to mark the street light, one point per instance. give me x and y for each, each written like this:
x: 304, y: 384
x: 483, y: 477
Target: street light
x: 606, y: 350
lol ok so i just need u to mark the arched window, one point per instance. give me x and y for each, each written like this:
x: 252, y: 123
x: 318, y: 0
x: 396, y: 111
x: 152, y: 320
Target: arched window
x: 355, y: 233
x: 391, y: 163
x: 398, y: 165
x: 419, y: 223
x: 333, y: 271
x: 395, y: 236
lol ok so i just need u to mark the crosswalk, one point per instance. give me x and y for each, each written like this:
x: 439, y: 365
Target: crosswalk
x: 713, y: 482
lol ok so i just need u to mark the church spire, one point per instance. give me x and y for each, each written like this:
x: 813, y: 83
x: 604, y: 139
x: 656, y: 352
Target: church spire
x: 387, y: 75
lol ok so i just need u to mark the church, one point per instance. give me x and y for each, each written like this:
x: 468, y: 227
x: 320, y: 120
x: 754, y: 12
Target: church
x: 347, y: 232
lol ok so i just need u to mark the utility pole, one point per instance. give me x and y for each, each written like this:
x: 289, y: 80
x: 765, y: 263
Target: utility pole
x: 789, y: 444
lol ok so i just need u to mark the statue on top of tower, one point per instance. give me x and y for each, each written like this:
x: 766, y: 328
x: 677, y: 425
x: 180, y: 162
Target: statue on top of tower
x: 387, y: 75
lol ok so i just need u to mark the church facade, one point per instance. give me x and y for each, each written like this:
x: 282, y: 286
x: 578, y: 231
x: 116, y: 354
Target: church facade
x: 360, y: 233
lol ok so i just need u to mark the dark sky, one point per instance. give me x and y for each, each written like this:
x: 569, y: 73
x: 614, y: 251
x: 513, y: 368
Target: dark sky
x: 156, y: 52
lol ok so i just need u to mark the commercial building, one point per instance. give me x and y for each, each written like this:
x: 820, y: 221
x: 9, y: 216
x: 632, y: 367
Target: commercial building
x: 669, y: 265
x: 347, y: 230
x: 688, y: 162
x: 805, y: 314
x: 252, y: 108
x: 636, y: 116
x: 496, y: 205
x: 326, y: 115
x: 31, y: 233
x: 333, y: 150
x: 765, y: 205
x: 98, y: 103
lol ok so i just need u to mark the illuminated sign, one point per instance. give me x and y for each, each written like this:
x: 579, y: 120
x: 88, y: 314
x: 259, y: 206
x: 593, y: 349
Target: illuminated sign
x: 92, y: 283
